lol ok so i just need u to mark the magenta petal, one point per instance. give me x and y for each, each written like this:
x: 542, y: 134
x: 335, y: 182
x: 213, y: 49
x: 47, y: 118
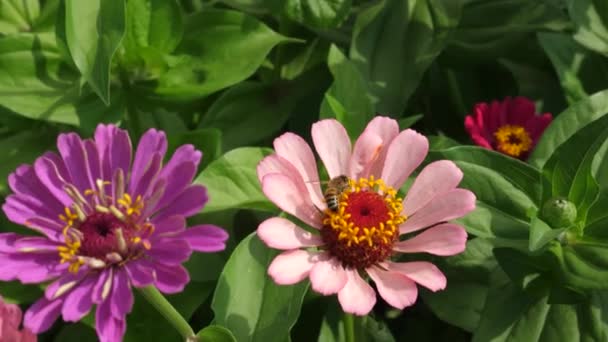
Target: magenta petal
x: 49, y: 175
x: 25, y: 183
x: 170, y: 251
x: 20, y: 209
x: 93, y: 159
x: 37, y: 268
x: 78, y: 302
x: 49, y: 228
x: 120, y: 151
x: 64, y: 284
x: 73, y: 153
x: 109, y: 328
x: 151, y: 142
x: 189, y: 202
x: 7, y: 242
x: 171, y: 279
x: 34, y: 244
x: 205, y: 238
x: 152, y: 170
x: 121, y: 300
x: 177, y: 182
x: 141, y: 272
x: 42, y: 314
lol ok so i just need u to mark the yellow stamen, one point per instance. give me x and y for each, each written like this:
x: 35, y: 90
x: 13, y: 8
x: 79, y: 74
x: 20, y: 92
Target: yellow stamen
x: 513, y: 140
x: 131, y: 207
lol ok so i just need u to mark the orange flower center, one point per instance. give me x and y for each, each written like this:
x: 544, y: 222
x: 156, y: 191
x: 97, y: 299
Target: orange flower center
x: 513, y: 140
x: 361, y: 232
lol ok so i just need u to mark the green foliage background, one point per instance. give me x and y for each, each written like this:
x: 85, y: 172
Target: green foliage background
x: 230, y: 75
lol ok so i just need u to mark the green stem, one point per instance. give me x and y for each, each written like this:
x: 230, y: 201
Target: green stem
x: 349, y: 327
x: 162, y: 305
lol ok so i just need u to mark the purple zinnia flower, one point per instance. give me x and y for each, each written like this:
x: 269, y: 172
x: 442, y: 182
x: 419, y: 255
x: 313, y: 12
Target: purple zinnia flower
x: 107, y: 223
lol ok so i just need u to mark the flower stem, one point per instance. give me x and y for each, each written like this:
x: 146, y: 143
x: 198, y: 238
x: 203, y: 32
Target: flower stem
x: 162, y: 305
x: 349, y: 327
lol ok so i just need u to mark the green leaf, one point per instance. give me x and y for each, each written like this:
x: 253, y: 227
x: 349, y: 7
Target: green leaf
x: 315, y: 13
x: 216, y: 333
x: 567, y: 124
x: 395, y: 41
x: 248, y: 302
x: 541, y: 234
x: 346, y: 100
x: 145, y: 323
x: 580, y: 71
x: 18, y: 15
x: 523, y: 269
x: 525, y: 177
x: 303, y: 58
x: 17, y: 293
x: 409, y: 121
x: 34, y: 82
x: 489, y: 29
x: 210, y: 55
x: 207, y: 140
x: 76, y: 333
x: 232, y: 181
x: 468, y: 275
x: 153, y: 23
x: 582, y: 264
x: 94, y: 29
x: 568, y: 171
x: 590, y: 19
x: 232, y: 113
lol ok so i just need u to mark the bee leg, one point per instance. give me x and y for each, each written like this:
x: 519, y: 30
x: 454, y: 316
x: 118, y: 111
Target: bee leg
x: 318, y: 209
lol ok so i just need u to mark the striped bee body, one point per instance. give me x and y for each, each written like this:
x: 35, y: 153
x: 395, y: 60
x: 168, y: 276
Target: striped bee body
x: 335, y: 187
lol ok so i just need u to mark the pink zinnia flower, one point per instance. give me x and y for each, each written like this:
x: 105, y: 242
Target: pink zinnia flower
x: 106, y: 224
x: 10, y: 319
x: 510, y: 126
x: 370, y: 222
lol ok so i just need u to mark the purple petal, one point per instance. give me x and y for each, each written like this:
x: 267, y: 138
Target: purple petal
x: 170, y: 251
x: 170, y: 225
x: 103, y: 139
x: 188, y: 203
x: 72, y: 151
x: 7, y: 242
x: 42, y: 314
x: 171, y: 278
x: 178, y: 173
x: 120, y: 151
x: 64, y: 284
x: 109, y: 329
x: 51, y: 229
x: 78, y: 302
x: 121, y: 301
x: 59, y: 164
x: 141, y: 272
x: 34, y: 268
x: 19, y: 209
x: 49, y: 175
x: 26, y: 184
x: 205, y: 238
x: 151, y: 142
x: 93, y: 159
x: 34, y: 244
x: 145, y: 182
x: 103, y: 286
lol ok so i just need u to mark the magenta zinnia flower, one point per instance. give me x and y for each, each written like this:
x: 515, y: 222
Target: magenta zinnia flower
x: 510, y: 126
x: 107, y: 224
x: 371, y: 222
x: 10, y: 319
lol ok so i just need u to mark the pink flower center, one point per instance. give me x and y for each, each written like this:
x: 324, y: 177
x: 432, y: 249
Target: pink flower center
x: 361, y: 232
x: 101, y: 231
x: 513, y: 140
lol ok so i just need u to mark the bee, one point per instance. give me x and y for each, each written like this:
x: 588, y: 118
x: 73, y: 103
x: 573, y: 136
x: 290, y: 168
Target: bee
x: 335, y: 187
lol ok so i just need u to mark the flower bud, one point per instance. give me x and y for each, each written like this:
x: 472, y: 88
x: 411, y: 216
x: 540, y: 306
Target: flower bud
x: 558, y: 212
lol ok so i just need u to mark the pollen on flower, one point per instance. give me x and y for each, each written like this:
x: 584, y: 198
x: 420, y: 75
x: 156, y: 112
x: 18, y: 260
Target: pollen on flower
x: 365, y: 226
x: 513, y: 140
x: 106, y: 231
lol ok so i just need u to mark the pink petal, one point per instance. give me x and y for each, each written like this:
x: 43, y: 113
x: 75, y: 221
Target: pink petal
x: 404, y: 155
x: 435, y: 179
x: 333, y: 146
x: 452, y: 204
x: 387, y: 129
x: 280, y: 233
x: 356, y: 297
x: 396, y: 289
x: 444, y: 239
x: 283, y: 192
x: 422, y: 272
x: 42, y: 314
x: 292, y: 266
x: 277, y: 164
x: 296, y: 151
x: 365, y: 154
x: 328, y: 276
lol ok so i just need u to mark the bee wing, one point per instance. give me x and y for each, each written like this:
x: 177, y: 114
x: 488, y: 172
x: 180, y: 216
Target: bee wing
x: 317, y: 182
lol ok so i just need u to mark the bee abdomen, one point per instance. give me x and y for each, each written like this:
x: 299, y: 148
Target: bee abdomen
x: 332, y: 202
